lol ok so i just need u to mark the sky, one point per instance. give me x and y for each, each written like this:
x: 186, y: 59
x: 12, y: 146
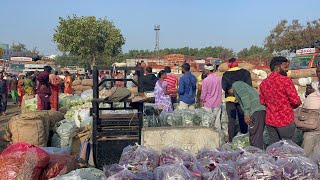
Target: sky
x: 235, y: 24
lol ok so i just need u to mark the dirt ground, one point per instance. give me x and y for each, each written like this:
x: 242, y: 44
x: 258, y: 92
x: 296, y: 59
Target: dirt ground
x: 12, y: 110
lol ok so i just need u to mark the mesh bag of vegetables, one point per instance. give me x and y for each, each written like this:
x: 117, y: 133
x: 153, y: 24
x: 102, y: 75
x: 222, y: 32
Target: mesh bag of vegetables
x: 218, y: 155
x: 116, y: 172
x: 298, y: 167
x: 139, y: 156
x: 205, y: 116
x: 171, y: 155
x: 189, y: 117
x: 170, y: 119
x: 240, y: 141
x: 251, y: 166
x: 284, y: 148
x: 224, y: 171
x: 173, y: 172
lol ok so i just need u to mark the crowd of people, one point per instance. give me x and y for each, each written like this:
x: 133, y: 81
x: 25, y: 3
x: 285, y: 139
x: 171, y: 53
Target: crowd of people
x: 46, y: 85
x: 271, y: 107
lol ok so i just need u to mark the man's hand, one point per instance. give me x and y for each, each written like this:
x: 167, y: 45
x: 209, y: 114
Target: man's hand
x: 247, y: 119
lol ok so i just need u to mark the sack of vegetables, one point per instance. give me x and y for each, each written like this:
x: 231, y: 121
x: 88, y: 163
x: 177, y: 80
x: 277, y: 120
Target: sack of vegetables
x: 171, y: 155
x: 116, y: 172
x: 139, y: 156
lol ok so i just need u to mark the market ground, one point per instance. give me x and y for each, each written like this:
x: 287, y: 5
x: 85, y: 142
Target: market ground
x: 12, y: 110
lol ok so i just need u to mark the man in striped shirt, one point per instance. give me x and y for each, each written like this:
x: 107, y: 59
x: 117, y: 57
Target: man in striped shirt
x: 255, y: 113
x: 172, y: 81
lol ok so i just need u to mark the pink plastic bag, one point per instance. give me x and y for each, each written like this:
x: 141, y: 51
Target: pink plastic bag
x: 222, y: 171
x: 116, y: 172
x: 22, y: 161
x: 172, y: 155
x: 284, y: 148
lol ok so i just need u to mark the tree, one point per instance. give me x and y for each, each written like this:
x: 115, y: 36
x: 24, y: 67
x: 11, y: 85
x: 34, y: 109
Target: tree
x: 254, y: 52
x: 87, y: 36
x: 293, y: 36
x: 18, y: 47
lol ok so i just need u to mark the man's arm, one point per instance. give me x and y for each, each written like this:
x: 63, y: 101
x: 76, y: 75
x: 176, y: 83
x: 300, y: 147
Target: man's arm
x: 292, y: 94
x: 181, y: 86
x: 243, y: 98
x: 203, y: 91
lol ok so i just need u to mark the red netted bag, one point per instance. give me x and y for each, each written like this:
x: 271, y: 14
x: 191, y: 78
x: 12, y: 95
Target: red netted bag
x: 22, y: 161
x: 59, y: 164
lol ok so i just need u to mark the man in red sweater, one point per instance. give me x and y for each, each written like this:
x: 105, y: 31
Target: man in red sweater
x: 280, y: 97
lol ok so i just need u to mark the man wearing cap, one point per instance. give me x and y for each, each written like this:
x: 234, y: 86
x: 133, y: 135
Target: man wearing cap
x: 211, y: 95
x: 233, y: 108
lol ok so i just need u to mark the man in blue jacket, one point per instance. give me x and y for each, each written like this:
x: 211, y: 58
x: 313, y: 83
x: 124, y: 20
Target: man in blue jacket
x: 187, y: 88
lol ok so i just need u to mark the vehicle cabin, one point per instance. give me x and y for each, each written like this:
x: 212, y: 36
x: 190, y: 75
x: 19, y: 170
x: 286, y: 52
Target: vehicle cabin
x: 305, y: 58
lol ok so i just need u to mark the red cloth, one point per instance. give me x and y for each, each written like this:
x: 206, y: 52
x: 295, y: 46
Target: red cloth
x: 20, y: 90
x: 233, y: 64
x: 280, y: 97
x: 172, y: 81
x: 55, y: 87
x: 38, y: 103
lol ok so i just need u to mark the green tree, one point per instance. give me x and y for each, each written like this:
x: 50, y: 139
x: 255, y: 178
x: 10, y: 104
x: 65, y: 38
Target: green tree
x: 293, y: 36
x: 88, y: 37
x: 254, y: 51
x: 20, y: 47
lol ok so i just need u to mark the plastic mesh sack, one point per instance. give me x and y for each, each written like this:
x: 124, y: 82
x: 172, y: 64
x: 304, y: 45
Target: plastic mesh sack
x: 84, y: 173
x: 64, y: 132
x: 225, y: 171
x: 217, y: 155
x: 71, y: 101
x: 240, y: 141
x: 139, y: 156
x: 22, y: 161
x: 206, y: 117
x: 87, y: 95
x: 54, y: 150
x: 82, y: 118
x: 315, y: 155
x: 284, y: 148
x: 170, y: 119
x: 172, y: 172
x: 116, y: 172
x: 59, y: 164
x: 252, y: 166
x: 189, y: 117
x: 173, y: 155
x: 297, y: 168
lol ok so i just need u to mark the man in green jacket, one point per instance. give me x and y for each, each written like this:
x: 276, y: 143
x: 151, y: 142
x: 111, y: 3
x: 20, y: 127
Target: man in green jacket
x: 255, y: 113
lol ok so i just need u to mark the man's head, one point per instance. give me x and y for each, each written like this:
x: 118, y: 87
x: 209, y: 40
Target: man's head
x: 55, y: 73
x: 167, y: 69
x: 185, y: 68
x: 149, y: 70
x: 36, y: 72
x: 47, y: 69
x: 233, y: 62
x: 318, y: 72
x: 280, y: 65
x: 66, y: 73
x: 208, y: 68
x: 231, y: 91
x: 1, y: 75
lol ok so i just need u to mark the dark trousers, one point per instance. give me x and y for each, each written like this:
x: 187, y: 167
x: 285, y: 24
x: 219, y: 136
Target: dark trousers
x: 234, y: 110
x: 3, y: 102
x: 173, y: 100
x: 45, y: 101
x: 256, y: 128
x: 287, y: 132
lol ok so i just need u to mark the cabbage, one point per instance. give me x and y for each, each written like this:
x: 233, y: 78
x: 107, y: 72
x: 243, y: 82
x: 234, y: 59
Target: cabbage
x: 31, y: 104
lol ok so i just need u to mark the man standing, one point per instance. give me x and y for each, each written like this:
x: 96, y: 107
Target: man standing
x: 211, y: 95
x: 172, y: 81
x: 280, y: 97
x: 3, y: 94
x: 43, y: 89
x: 255, y: 113
x: 233, y: 108
x: 187, y: 88
x: 149, y: 81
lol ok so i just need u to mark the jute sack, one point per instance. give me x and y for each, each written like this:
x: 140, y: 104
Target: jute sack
x: 223, y: 67
x: 54, y: 117
x: 220, y: 74
x: 76, y: 82
x: 35, y: 131
x: 77, y: 88
x: 302, y: 73
x: 84, y: 88
x: 254, y: 77
x: 78, y: 92
x: 87, y: 82
x: 295, y: 81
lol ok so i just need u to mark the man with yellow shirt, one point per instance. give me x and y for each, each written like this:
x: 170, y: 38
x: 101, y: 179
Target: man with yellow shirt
x: 232, y: 106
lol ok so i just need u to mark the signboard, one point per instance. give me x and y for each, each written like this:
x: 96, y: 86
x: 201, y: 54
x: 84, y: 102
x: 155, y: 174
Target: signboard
x: 0, y: 53
x: 306, y: 51
x: 21, y: 59
x: 6, y: 53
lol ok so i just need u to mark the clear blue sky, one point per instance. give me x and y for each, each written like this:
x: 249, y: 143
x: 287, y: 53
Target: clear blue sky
x: 233, y: 24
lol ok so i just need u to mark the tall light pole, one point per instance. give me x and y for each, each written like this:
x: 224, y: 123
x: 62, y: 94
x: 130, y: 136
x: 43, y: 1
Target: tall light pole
x: 157, y: 47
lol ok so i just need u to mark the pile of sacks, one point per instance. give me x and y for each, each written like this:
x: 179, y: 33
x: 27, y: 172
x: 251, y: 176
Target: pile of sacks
x: 257, y: 76
x: 80, y: 86
x: 301, y: 78
x: 281, y: 160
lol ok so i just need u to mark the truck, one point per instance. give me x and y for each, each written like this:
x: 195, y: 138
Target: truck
x: 305, y: 59
x: 73, y: 70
